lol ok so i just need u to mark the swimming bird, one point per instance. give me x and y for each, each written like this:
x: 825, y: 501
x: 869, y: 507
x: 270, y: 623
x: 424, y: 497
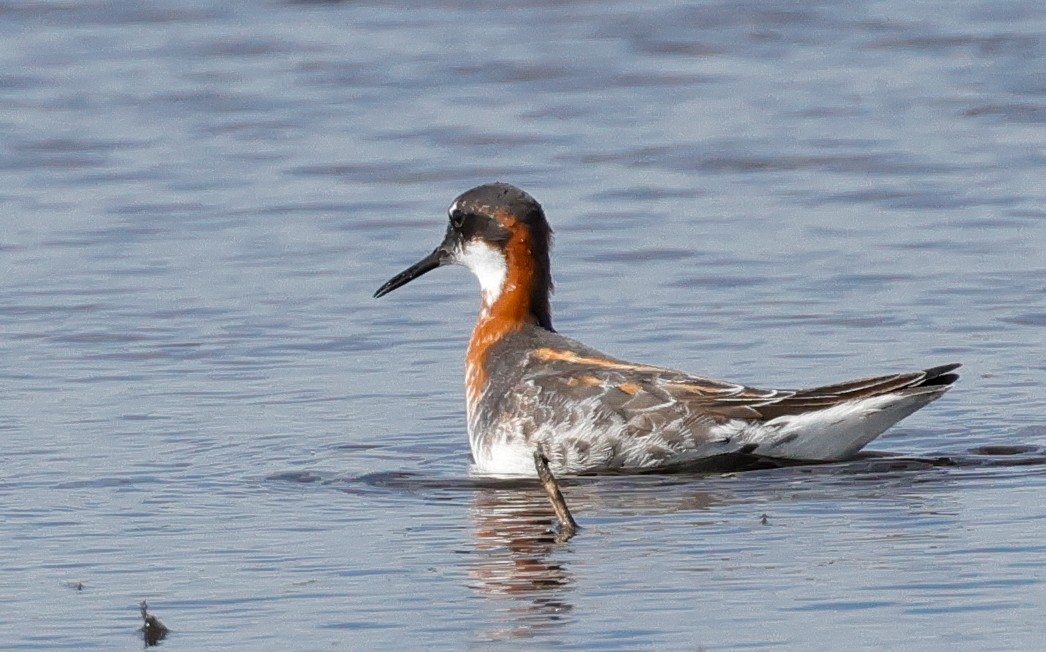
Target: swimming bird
x: 528, y: 386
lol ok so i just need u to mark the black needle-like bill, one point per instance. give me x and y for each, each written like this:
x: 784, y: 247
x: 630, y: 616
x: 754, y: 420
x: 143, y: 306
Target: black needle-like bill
x: 437, y: 258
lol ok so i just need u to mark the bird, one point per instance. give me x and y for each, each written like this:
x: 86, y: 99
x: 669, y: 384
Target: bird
x: 530, y: 388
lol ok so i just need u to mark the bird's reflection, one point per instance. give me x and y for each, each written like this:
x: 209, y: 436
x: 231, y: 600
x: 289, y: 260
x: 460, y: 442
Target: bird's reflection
x: 521, y: 569
x: 518, y: 564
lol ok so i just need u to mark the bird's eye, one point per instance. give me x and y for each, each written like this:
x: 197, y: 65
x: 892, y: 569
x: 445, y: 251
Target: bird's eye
x: 457, y: 218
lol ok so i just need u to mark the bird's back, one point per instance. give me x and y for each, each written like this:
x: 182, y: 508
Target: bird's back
x: 594, y: 413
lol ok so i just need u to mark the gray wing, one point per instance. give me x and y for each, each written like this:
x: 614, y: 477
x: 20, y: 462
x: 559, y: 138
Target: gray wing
x: 601, y: 414
x: 649, y: 417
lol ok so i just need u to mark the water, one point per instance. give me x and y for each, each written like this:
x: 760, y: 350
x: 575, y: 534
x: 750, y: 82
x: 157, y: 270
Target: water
x: 202, y: 407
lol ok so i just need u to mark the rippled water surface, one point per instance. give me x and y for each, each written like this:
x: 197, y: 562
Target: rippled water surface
x: 201, y: 406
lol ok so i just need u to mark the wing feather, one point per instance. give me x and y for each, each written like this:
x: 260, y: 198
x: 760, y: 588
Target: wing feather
x: 625, y: 390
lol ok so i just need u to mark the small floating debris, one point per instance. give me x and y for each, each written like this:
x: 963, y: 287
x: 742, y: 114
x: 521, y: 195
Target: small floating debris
x: 153, y: 630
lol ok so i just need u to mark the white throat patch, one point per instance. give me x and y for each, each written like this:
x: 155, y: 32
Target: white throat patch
x: 489, y: 266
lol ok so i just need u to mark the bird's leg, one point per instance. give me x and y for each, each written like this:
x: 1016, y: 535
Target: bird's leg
x: 567, y: 525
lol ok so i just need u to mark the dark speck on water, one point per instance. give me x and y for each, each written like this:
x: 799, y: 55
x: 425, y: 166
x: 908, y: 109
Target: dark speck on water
x: 152, y: 629
x: 200, y: 402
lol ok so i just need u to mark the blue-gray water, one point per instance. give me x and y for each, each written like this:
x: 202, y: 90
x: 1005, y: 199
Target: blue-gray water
x: 201, y: 405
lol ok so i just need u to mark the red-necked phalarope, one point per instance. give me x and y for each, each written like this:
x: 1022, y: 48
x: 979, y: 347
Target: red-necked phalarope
x: 527, y: 385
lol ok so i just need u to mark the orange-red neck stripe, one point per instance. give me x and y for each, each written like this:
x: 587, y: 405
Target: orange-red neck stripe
x: 523, y: 300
